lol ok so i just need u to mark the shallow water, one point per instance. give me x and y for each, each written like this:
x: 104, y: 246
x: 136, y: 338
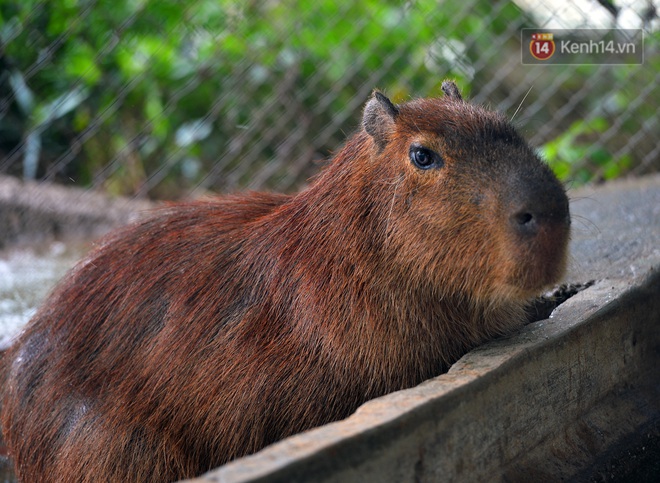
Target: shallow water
x: 27, y: 274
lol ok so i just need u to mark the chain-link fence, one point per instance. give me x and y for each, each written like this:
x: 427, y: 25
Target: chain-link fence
x: 166, y: 98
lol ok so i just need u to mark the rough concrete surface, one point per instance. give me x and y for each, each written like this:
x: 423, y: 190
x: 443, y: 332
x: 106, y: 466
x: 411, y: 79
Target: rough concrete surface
x: 616, y: 229
x: 32, y: 212
x: 575, y: 397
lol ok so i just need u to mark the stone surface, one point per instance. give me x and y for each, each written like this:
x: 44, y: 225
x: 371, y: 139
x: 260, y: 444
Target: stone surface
x: 32, y: 212
x: 616, y: 229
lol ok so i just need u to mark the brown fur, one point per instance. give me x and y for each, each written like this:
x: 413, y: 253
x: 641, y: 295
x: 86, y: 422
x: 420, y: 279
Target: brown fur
x: 217, y: 327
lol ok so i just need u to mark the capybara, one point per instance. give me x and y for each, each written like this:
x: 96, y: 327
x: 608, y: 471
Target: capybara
x: 218, y: 326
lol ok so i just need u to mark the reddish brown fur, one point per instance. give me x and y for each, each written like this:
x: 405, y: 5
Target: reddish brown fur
x: 217, y: 327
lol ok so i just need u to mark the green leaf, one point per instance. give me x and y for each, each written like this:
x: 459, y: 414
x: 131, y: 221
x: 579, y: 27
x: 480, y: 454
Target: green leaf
x: 154, y: 113
x: 9, y: 29
x: 80, y: 63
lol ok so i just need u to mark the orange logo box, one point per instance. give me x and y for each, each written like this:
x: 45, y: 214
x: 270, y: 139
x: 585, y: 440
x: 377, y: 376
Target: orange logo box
x: 542, y: 46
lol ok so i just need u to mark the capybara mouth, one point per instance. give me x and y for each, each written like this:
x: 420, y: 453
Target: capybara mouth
x: 541, y: 261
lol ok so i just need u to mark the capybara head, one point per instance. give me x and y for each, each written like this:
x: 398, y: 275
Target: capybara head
x: 215, y: 327
x: 470, y: 201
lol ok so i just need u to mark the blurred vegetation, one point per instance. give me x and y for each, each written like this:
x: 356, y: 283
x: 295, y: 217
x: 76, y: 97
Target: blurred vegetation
x: 621, y: 134
x: 140, y: 96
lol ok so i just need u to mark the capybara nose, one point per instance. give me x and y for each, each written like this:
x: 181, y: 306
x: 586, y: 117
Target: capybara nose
x: 525, y: 222
x: 537, y: 206
x: 528, y: 220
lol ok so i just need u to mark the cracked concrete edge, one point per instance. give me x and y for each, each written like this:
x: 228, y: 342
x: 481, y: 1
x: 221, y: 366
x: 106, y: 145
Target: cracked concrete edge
x: 502, y: 410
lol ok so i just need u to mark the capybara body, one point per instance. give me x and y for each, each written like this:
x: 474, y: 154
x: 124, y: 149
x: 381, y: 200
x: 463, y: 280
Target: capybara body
x: 216, y: 327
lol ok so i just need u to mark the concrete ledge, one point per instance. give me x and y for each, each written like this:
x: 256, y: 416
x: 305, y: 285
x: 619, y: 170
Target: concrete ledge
x: 541, y: 405
x: 32, y: 212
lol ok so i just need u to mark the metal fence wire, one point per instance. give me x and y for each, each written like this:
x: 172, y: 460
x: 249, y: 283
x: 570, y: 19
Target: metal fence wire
x: 165, y: 99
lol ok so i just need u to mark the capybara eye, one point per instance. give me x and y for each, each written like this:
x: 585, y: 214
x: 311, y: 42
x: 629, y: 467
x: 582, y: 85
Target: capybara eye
x: 424, y: 158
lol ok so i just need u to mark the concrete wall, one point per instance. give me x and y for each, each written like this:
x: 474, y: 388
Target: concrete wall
x: 32, y: 212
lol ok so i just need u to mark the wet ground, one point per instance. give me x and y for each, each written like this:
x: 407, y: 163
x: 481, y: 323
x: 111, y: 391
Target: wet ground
x: 26, y: 277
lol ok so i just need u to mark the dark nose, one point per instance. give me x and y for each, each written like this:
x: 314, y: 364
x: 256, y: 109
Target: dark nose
x: 524, y: 221
x: 534, y: 209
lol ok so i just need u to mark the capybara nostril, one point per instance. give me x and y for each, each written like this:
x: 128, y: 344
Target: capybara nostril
x: 536, y: 201
x: 524, y: 220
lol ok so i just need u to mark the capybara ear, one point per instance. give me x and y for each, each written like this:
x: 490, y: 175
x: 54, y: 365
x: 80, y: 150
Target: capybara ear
x: 451, y: 90
x: 379, y: 117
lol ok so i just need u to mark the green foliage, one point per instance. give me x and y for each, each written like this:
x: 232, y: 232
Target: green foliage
x: 120, y: 91
x: 602, y: 147
x: 142, y: 74
x: 567, y: 153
